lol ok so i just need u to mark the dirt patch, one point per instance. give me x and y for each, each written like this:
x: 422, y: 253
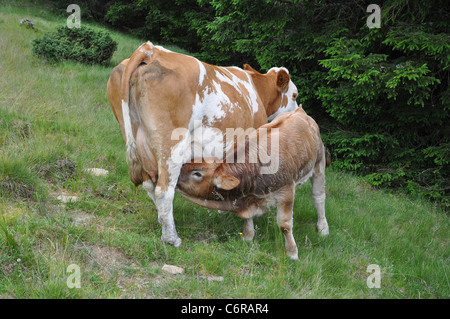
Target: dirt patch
x: 136, y: 286
x: 63, y: 196
x: 109, y: 258
x: 81, y: 218
x: 133, y: 281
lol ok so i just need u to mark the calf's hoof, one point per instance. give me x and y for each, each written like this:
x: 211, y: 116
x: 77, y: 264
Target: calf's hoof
x: 323, y: 229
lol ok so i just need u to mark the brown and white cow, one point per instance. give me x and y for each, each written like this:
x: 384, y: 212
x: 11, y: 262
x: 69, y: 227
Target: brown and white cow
x: 243, y: 188
x: 161, y: 99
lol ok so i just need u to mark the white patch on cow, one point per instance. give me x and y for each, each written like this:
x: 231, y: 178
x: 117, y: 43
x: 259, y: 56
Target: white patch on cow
x: 213, y: 107
x: 202, y: 74
x: 210, y: 108
x: 127, y: 123
x: 252, y: 93
x: 251, y: 98
x: 206, y: 112
x: 149, y: 187
x: 141, y: 46
x: 158, y: 191
x: 217, y: 96
x: 276, y: 69
x: 226, y: 79
x: 144, y: 50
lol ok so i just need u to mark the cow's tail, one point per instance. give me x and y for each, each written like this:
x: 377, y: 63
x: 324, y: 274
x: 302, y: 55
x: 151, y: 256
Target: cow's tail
x: 141, y: 55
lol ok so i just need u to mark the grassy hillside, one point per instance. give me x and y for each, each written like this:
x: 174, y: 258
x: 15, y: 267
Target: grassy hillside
x: 55, y: 121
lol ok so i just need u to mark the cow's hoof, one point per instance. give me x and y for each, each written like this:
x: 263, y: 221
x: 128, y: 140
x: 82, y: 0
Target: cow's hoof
x: 176, y: 242
x: 293, y: 256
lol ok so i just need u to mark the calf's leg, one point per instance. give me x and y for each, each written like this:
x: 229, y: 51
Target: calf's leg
x: 285, y: 220
x: 249, y: 230
x: 318, y: 193
x: 248, y: 214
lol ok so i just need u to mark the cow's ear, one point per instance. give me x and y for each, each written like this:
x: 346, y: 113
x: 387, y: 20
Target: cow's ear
x: 283, y: 79
x: 247, y: 67
x: 226, y: 182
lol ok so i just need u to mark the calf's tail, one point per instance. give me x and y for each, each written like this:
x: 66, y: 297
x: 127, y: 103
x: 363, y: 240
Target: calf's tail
x: 328, y: 157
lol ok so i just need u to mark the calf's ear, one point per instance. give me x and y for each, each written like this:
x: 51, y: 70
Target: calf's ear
x: 283, y: 79
x: 226, y: 182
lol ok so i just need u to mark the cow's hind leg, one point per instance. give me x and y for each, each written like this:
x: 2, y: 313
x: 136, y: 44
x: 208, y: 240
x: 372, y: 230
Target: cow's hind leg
x: 285, y: 220
x: 318, y: 193
x: 164, y: 195
x: 164, y: 204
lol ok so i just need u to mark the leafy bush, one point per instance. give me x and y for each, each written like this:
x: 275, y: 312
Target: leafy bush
x: 83, y: 45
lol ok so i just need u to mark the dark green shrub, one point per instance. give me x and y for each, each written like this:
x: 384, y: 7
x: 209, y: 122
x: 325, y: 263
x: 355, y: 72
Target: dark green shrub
x: 83, y: 45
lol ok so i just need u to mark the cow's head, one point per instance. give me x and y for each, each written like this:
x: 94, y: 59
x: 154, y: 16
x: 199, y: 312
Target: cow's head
x: 199, y: 179
x: 278, y: 91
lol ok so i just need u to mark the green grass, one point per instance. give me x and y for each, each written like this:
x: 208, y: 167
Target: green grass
x: 55, y: 121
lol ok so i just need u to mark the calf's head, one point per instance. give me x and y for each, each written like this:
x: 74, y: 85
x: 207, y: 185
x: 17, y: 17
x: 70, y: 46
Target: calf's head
x: 199, y: 179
